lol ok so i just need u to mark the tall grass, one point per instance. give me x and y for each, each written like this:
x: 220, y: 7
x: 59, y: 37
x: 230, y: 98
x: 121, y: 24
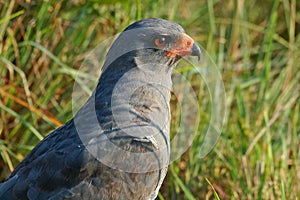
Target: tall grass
x: 255, y: 44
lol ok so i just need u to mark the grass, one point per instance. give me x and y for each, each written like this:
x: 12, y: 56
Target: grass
x: 254, y: 44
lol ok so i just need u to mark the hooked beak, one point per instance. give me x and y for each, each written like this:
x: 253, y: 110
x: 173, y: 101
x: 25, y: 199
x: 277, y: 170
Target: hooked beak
x: 196, y: 51
x: 185, y: 46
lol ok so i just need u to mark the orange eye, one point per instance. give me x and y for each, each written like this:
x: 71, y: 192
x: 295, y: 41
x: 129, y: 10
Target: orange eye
x: 161, y: 41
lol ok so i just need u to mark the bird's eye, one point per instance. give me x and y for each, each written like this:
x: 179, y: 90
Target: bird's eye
x: 161, y: 41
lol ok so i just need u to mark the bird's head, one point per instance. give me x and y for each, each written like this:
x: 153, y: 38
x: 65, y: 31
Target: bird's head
x: 154, y: 40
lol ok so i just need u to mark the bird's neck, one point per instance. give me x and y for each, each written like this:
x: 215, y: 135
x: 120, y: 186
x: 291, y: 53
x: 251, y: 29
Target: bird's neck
x: 133, y: 93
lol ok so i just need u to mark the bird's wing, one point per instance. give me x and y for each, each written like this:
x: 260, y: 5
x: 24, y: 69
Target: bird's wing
x: 60, y: 167
x: 53, y: 163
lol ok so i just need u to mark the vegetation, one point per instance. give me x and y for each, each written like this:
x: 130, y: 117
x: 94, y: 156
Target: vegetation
x: 255, y: 44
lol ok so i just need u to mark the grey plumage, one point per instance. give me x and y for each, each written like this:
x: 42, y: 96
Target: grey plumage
x: 117, y: 145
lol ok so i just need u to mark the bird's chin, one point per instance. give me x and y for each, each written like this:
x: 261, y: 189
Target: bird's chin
x: 172, y: 62
x: 177, y: 59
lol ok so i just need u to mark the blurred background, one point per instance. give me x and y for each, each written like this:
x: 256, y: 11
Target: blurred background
x: 255, y: 44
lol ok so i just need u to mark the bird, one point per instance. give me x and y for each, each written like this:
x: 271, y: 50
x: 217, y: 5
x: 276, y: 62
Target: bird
x: 117, y: 146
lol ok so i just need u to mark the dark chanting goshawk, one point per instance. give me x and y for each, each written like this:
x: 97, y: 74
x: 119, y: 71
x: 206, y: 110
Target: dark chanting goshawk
x: 117, y: 146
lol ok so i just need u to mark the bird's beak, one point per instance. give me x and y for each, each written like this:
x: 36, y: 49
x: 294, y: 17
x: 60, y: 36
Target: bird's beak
x: 196, y: 51
x: 185, y: 46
